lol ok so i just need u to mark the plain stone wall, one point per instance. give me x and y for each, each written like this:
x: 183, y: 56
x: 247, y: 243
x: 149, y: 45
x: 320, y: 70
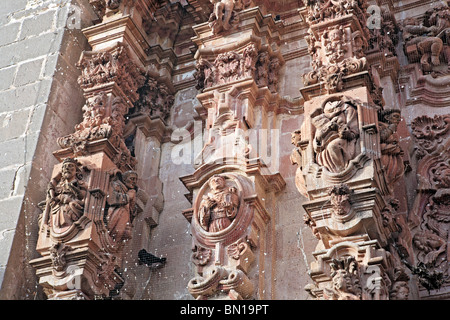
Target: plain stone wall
x: 172, y: 237
x: 39, y: 101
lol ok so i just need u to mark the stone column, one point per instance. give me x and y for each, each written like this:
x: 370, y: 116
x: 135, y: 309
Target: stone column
x: 234, y: 177
x: 348, y: 158
x: 93, y: 196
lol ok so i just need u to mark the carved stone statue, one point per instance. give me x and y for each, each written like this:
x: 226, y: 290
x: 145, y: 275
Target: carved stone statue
x: 65, y: 197
x: 391, y: 153
x: 219, y: 207
x: 296, y: 159
x: 296, y: 156
x: 336, y: 134
x: 429, y: 36
x: 122, y: 205
x: 223, y: 12
x: 221, y: 15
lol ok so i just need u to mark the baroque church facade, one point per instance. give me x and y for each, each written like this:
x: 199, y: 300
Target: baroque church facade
x: 225, y: 149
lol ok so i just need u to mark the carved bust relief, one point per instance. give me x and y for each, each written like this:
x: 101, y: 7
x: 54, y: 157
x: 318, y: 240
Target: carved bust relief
x: 219, y: 206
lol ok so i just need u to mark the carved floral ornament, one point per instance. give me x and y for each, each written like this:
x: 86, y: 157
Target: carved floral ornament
x: 112, y: 65
x: 101, y: 7
x: 155, y: 99
x: 103, y: 119
x: 345, y: 280
x: 337, y: 51
x: 324, y: 10
x: 233, y: 66
x: 432, y: 205
x: 356, y: 271
x: 429, y: 133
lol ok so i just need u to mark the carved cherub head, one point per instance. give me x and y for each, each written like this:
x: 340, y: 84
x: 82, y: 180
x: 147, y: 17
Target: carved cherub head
x: 390, y: 116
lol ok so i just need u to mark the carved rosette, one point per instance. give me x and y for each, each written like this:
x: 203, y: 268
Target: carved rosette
x: 223, y: 226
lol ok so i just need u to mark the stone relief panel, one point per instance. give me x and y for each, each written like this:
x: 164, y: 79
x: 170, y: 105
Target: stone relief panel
x: 63, y: 208
x: 219, y: 207
x: 122, y: 209
x: 231, y: 66
x: 103, y: 119
x: 432, y: 204
x: 430, y: 133
x: 336, y: 134
x: 427, y: 39
x: 223, y: 241
x: 323, y: 10
x: 111, y: 65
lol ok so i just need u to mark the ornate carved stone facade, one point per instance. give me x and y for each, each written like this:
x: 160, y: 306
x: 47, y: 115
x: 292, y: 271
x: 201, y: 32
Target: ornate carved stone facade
x: 252, y: 149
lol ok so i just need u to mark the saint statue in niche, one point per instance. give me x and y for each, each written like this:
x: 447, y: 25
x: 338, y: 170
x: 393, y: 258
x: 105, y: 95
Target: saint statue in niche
x: 336, y: 134
x: 219, y: 207
x: 122, y: 205
x: 65, y: 197
x: 391, y: 153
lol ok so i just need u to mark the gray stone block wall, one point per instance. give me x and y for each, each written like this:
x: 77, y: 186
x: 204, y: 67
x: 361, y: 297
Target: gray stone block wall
x: 39, y: 102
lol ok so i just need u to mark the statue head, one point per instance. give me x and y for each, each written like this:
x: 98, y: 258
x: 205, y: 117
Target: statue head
x: 69, y: 168
x: 130, y: 179
x: 296, y: 137
x: 217, y: 182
